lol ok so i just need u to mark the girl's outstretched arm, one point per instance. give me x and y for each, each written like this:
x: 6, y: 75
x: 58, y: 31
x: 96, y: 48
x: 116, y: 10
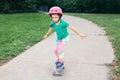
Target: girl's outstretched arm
x: 77, y: 32
x: 50, y: 30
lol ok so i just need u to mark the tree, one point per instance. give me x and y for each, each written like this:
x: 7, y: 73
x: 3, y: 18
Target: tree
x: 85, y: 6
x: 18, y: 6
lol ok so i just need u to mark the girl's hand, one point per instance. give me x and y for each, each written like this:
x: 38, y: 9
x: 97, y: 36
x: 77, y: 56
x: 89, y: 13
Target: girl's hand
x: 44, y: 37
x: 82, y: 36
x: 77, y: 32
x: 50, y: 30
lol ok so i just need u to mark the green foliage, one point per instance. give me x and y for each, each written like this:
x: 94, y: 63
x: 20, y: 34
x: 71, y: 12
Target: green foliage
x: 69, y: 5
x: 90, y: 6
x: 84, y: 6
x: 8, y: 6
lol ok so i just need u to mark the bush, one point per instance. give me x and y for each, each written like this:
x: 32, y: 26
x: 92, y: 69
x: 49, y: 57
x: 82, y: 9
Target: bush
x: 18, y: 6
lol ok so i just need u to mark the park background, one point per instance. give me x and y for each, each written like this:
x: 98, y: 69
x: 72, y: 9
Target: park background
x: 22, y: 24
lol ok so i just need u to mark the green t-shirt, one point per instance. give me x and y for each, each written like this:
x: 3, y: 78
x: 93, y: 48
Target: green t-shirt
x: 61, y: 29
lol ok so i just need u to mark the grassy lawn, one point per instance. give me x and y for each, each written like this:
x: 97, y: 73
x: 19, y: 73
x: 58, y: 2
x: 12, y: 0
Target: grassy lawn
x: 20, y: 31
x: 111, y: 24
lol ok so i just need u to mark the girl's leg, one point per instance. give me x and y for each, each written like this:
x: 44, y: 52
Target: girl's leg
x: 59, y: 49
x: 59, y: 54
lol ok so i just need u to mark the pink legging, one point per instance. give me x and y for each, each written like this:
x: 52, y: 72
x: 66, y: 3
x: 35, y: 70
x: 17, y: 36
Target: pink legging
x: 59, y: 49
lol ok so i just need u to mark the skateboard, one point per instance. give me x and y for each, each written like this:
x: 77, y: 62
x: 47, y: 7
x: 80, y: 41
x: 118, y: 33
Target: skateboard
x: 58, y: 70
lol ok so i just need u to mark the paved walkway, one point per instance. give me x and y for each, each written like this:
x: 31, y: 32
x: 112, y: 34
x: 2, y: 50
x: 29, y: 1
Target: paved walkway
x: 84, y: 59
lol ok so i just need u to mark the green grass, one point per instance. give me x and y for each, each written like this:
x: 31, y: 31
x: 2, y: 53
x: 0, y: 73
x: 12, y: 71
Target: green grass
x: 20, y: 31
x: 111, y: 24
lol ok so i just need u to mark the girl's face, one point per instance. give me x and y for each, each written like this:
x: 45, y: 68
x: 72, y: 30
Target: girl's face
x: 55, y: 18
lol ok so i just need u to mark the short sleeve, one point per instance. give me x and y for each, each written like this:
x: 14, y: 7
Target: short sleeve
x: 52, y: 23
x: 66, y: 24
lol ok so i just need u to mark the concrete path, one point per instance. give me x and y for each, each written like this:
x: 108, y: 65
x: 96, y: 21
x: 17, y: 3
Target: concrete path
x: 85, y: 59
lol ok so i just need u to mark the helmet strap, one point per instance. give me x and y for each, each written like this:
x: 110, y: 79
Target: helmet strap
x: 60, y: 15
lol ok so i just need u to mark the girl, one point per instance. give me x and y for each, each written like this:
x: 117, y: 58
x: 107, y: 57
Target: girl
x: 60, y: 26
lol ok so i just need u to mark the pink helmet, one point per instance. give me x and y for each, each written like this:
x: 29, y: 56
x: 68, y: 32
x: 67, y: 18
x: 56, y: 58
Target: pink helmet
x: 55, y: 9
